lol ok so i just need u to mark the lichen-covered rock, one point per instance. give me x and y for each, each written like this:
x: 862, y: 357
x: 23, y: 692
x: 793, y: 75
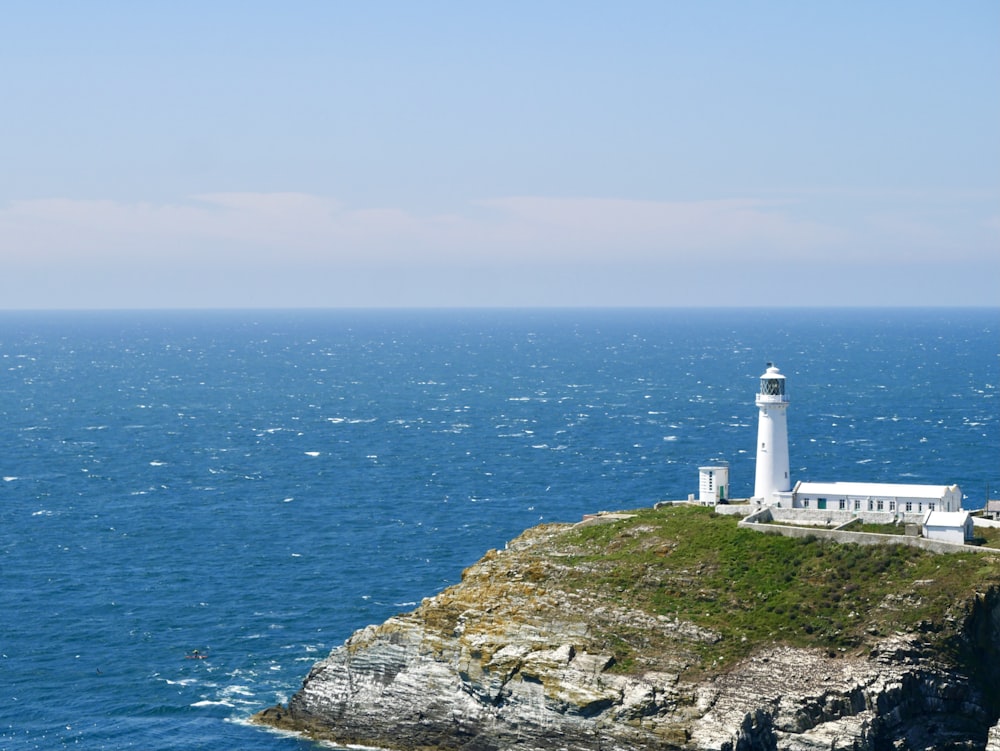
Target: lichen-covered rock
x: 510, y: 660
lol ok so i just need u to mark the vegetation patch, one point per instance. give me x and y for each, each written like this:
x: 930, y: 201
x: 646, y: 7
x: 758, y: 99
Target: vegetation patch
x: 692, y: 565
x: 988, y: 536
x: 875, y: 529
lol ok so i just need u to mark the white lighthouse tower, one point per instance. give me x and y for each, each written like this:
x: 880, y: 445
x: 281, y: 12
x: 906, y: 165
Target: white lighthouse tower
x: 772, y: 439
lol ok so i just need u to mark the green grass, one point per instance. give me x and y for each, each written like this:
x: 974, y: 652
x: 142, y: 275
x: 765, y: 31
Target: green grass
x: 988, y: 536
x: 753, y: 588
x: 877, y: 529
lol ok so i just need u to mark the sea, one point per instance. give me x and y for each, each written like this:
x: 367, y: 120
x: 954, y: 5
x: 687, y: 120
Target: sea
x: 257, y: 485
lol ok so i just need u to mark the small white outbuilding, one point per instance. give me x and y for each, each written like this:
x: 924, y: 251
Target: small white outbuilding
x: 713, y: 483
x: 949, y: 526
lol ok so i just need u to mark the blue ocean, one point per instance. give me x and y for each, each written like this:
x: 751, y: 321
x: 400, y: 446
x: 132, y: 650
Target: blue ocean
x: 256, y: 485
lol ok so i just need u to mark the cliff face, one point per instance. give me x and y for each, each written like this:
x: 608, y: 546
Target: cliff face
x: 519, y: 655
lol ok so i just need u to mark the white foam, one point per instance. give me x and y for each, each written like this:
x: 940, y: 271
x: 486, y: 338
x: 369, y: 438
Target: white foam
x: 182, y: 682
x: 312, y: 453
x: 237, y: 690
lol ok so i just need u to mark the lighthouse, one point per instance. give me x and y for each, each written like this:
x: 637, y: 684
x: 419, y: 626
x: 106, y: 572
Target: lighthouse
x: 772, y: 438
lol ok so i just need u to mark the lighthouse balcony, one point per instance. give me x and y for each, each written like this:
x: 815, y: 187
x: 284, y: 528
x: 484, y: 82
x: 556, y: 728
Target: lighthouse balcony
x: 772, y: 399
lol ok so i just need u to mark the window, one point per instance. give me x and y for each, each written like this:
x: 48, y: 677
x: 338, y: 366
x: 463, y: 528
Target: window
x: 843, y: 504
x: 871, y: 504
x: 857, y: 504
x: 879, y: 505
x: 909, y: 505
x: 892, y: 505
x: 805, y: 503
x: 930, y: 506
x: 772, y: 387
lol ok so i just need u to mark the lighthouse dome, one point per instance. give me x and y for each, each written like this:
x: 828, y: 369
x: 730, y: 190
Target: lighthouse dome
x: 772, y: 372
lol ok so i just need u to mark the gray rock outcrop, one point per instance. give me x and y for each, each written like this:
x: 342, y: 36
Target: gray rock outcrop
x: 508, y: 659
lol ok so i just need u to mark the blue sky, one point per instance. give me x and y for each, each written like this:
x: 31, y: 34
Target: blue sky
x: 327, y: 154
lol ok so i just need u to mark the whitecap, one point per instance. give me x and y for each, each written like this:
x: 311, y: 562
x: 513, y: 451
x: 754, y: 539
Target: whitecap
x: 237, y: 691
x: 10, y: 478
x: 156, y: 464
x: 669, y: 438
x: 209, y: 703
x: 312, y: 453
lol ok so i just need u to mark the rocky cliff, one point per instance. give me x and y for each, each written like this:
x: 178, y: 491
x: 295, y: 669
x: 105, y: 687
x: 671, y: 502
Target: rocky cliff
x: 643, y: 633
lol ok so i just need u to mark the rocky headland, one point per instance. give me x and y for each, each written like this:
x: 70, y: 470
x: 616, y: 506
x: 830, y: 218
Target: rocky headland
x: 674, y: 629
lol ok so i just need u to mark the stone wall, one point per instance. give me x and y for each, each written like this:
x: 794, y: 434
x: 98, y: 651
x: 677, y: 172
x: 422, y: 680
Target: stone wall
x: 760, y: 523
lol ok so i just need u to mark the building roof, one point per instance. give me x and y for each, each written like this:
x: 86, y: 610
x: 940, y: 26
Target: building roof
x: 993, y: 505
x: 946, y: 518
x: 874, y: 489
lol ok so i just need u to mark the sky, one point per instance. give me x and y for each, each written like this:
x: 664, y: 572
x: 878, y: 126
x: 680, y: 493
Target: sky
x: 327, y: 153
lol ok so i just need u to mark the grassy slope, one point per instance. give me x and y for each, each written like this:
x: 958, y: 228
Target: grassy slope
x: 752, y: 589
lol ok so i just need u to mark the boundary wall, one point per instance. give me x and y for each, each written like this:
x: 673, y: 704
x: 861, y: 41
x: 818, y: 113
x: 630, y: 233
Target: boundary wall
x: 759, y: 523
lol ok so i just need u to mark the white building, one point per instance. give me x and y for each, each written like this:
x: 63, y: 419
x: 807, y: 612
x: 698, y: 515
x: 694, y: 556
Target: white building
x: 772, y: 475
x: 713, y: 483
x: 871, y: 496
x: 949, y: 526
x: 876, y: 502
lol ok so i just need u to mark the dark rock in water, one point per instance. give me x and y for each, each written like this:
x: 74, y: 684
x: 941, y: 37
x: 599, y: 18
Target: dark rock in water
x: 515, y: 658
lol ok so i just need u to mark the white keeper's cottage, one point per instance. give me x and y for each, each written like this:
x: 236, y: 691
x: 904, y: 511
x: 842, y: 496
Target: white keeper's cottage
x: 873, y: 496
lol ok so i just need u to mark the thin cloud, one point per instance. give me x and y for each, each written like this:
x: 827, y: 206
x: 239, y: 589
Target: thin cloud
x: 597, y: 228
x: 289, y: 226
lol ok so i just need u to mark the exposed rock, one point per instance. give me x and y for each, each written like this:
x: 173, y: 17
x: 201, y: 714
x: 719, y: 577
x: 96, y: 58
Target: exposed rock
x: 509, y: 659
